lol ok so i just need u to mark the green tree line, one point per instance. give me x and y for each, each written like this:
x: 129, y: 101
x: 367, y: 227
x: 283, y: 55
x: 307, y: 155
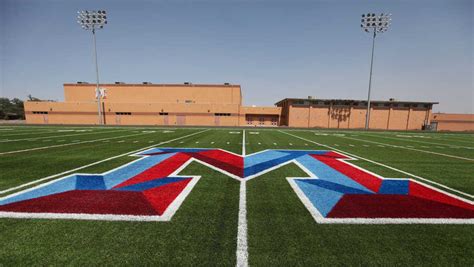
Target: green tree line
x: 11, y: 109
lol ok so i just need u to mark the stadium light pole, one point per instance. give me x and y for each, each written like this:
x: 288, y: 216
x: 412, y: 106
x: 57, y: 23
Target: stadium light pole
x: 374, y: 24
x: 94, y: 20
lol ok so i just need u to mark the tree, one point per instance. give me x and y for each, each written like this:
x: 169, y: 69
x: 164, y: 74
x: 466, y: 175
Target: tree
x: 11, y: 109
x: 32, y: 98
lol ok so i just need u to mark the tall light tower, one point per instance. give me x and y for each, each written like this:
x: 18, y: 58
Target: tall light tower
x: 94, y: 20
x: 373, y: 23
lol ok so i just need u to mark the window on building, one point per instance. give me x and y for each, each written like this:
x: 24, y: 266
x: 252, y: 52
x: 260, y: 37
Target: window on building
x: 40, y: 112
x: 188, y: 101
x: 406, y: 105
x: 274, y: 121
x: 163, y: 113
x: 123, y: 113
x: 221, y: 114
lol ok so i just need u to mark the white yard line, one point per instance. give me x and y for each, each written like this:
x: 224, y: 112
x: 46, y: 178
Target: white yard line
x: 411, y: 140
x: 383, y: 165
x: 95, y: 163
x: 58, y: 136
x: 242, y: 247
x: 243, y: 144
x: 29, y: 131
x: 26, y: 133
x: 458, y: 140
x: 433, y: 136
x: 75, y: 142
x: 409, y: 148
x: 242, y: 253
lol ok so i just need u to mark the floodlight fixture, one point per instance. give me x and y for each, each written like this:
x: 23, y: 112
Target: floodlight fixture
x: 94, y: 20
x: 374, y: 24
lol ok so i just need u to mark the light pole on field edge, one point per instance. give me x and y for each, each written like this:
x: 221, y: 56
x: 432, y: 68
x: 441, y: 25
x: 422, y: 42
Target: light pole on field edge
x: 373, y: 23
x: 94, y: 20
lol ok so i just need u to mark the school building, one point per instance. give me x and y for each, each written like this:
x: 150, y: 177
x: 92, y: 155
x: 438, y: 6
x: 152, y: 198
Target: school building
x: 351, y: 114
x: 220, y: 105
x: 152, y: 104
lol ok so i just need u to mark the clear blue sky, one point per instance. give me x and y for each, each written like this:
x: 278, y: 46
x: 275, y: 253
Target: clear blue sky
x: 274, y: 49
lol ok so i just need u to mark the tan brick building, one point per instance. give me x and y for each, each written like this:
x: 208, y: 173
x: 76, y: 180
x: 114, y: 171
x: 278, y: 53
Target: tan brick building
x: 350, y: 114
x: 218, y: 105
x: 453, y: 122
x: 153, y: 104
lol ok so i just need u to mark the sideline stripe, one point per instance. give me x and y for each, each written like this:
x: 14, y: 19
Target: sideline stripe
x: 242, y: 247
x: 58, y: 136
x: 383, y: 165
x: 26, y: 133
x: 75, y: 142
x: 416, y: 141
x: 95, y: 163
x: 16, y: 132
x: 409, y: 148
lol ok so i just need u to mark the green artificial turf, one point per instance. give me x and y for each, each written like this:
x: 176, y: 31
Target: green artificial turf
x: 281, y: 231
x: 202, y: 232
x: 452, y: 172
x: 28, y: 166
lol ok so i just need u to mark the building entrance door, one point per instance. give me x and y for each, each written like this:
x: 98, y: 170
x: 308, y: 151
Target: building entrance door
x: 181, y: 119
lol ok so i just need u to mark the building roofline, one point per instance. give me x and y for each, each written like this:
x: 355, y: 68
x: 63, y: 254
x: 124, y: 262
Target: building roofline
x: 154, y: 85
x: 358, y: 101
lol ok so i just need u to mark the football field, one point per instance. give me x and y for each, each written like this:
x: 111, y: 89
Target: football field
x: 82, y: 195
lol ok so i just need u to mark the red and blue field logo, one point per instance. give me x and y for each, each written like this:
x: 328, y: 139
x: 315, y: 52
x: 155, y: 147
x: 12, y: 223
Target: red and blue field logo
x: 151, y: 189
